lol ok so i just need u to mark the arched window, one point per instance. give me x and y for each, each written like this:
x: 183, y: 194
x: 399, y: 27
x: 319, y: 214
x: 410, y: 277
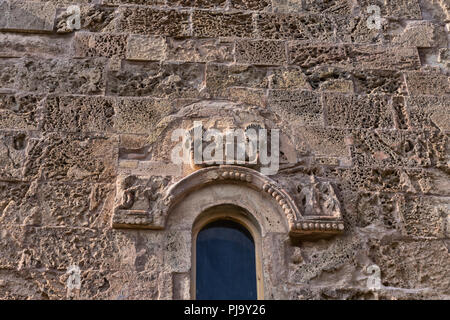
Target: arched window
x: 225, y: 262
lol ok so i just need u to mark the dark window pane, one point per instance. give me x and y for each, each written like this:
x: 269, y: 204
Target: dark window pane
x: 225, y: 262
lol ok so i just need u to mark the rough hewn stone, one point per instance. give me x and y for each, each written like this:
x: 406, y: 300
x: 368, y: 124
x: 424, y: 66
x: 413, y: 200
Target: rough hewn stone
x: 27, y: 16
x: 199, y: 50
x: 345, y: 111
x: 261, y: 52
x: 429, y: 113
x: 149, y: 21
x: 218, y: 24
x: 427, y: 83
x: 146, y: 48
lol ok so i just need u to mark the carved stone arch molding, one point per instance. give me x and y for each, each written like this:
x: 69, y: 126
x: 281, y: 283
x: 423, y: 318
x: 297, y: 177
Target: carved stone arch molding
x: 147, y: 203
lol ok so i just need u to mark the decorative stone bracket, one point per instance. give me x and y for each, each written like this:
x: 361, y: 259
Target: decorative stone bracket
x: 146, y: 203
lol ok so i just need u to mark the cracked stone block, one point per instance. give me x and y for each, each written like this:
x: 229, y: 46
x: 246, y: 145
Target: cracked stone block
x: 99, y: 45
x: 427, y: 83
x: 209, y: 24
x: 301, y: 107
x: 20, y: 112
x: 295, y: 27
x: 78, y: 114
x: 261, y: 52
x: 346, y: 111
x: 150, y: 21
x: 429, y: 113
x: 354, y: 29
x: 156, y: 79
x: 27, y: 16
x: 200, y: 50
x: 146, y: 48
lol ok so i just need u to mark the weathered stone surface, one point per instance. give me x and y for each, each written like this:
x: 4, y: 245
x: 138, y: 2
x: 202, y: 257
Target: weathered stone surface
x: 156, y: 79
x: 428, y: 112
x: 424, y: 216
x: 84, y: 76
x: 405, y: 149
x: 345, y: 111
x: 379, y: 81
x: 427, y: 83
x: 13, y: 45
x: 20, y: 111
x: 27, y: 16
x: 57, y: 156
x: 299, y: 107
x: 218, y: 24
x: 99, y: 45
x: 139, y: 115
x: 149, y: 21
x: 289, y: 78
x: 360, y: 194
x: 402, y: 9
x: 412, y: 265
x: 220, y: 77
x: 146, y: 48
x: 196, y: 3
x: 199, y: 50
x: 295, y: 27
x: 258, y: 5
x: 78, y: 114
x: 93, y: 17
x: 261, y: 52
x: 362, y: 57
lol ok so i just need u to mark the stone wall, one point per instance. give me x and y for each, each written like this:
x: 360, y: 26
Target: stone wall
x: 364, y: 110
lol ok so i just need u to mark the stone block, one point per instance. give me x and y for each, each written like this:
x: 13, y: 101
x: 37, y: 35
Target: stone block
x: 295, y: 27
x: 220, y: 77
x: 257, y: 5
x: 346, y: 111
x: 27, y: 16
x: 99, y: 45
x: 427, y: 83
x: 265, y: 52
x: 146, y: 48
x: 151, y: 21
x: 210, y: 24
x: 199, y: 50
x: 429, y: 112
x: 78, y: 114
x: 299, y: 107
x: 207, y: 4
x: 157, y: 79
x: 20, y: 112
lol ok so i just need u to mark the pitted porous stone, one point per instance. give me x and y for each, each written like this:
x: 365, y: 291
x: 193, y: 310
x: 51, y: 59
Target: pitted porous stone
x: 150, y: 21
x: 208, y: 24
x: 261, y: 52
x: 93, y: 116
x: 295, y: 27
x: 346, y: 111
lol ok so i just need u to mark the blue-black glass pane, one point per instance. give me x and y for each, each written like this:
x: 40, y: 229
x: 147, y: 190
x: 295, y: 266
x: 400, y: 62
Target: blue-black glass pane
x: 226, y: 266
